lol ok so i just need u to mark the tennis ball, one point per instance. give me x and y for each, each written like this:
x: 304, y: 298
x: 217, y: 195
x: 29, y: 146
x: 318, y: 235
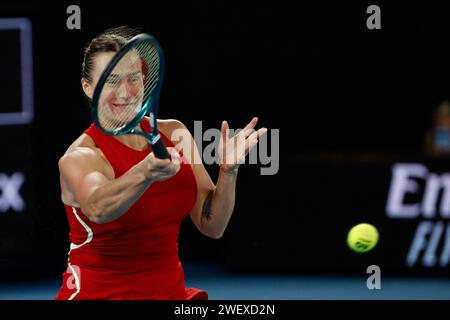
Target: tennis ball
x: 362, y: 237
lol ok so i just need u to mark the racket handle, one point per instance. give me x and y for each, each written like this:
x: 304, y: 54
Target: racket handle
x: 160, y: 150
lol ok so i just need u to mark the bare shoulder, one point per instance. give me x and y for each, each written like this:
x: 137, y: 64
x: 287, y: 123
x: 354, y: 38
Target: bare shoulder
x: 169, y: 126
x: 84, y: 151
x: 81, y: 157
x: 83, y: 141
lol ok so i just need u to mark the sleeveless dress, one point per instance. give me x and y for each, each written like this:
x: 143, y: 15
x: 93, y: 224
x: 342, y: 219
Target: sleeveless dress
x: 136, y: 255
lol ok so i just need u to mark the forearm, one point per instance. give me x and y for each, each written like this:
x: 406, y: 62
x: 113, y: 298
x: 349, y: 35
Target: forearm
x: 219, y: 206
x: 111, y: 200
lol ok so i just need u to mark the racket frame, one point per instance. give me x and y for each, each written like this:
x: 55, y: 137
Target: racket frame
x: 150, y: 105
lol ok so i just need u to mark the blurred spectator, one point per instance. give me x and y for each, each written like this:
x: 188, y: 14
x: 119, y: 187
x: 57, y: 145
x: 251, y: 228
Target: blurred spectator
x: 437, y: 138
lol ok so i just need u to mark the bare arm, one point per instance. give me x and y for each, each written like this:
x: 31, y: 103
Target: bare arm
x: 101, y: 198
x: 215, y: 203
x: 218, y: 205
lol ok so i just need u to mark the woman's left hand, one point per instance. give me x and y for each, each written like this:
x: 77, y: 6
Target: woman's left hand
x: 232, y: 151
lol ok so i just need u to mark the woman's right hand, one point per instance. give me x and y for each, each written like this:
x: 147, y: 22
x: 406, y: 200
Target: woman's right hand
x: 162, y: 169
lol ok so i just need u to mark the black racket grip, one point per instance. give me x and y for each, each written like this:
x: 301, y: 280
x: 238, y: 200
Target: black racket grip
x: 160, y: 150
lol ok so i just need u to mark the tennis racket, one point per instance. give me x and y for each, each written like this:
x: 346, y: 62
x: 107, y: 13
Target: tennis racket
x: 129, y: 89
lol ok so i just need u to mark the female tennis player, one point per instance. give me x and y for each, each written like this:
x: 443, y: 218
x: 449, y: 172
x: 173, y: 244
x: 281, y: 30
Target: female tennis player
x: 125, y: 206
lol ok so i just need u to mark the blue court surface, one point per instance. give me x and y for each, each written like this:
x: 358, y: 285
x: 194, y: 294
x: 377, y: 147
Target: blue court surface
x: 230, y: 286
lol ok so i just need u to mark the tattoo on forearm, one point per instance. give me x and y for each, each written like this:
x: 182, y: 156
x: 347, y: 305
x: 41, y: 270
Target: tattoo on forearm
x: 206, y: 212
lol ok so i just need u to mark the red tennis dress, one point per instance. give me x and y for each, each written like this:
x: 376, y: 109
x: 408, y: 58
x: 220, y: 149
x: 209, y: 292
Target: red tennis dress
x: 136, y: 255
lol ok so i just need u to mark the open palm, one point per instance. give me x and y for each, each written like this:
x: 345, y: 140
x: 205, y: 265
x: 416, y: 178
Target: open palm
x: 233, y: 150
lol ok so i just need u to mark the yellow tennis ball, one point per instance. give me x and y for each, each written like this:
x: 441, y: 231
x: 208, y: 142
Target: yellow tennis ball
x: 362, y: 237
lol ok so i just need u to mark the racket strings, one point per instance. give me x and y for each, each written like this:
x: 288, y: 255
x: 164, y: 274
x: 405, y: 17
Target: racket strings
x: 112, y: 119
x: 151, y: 59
